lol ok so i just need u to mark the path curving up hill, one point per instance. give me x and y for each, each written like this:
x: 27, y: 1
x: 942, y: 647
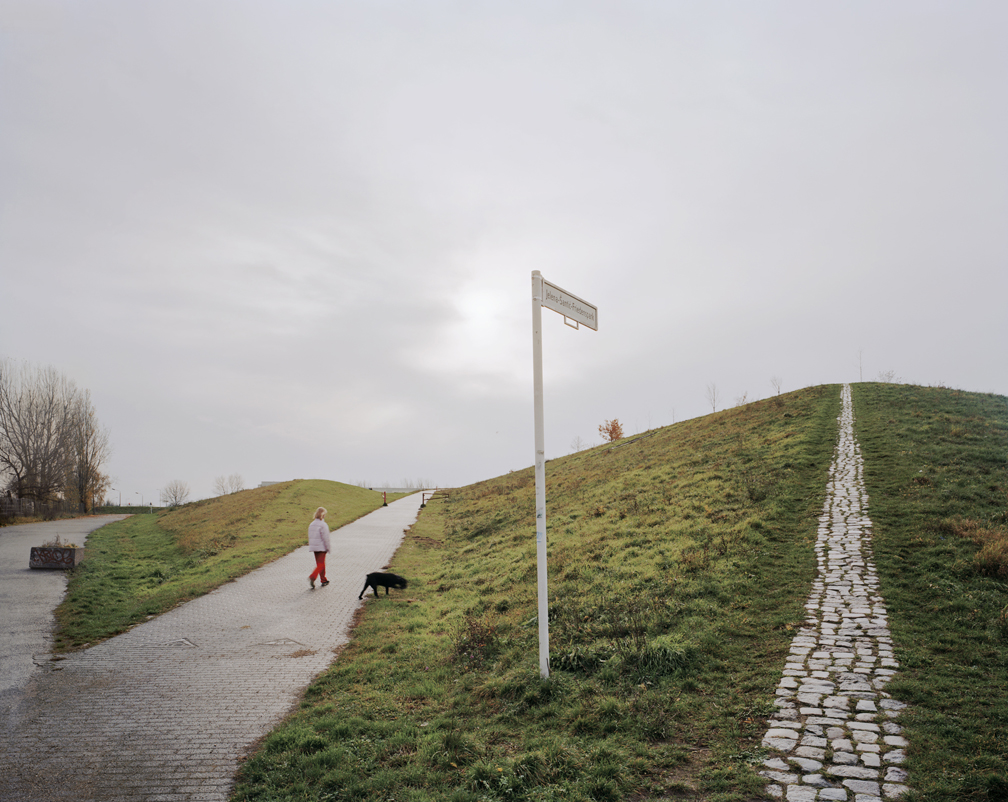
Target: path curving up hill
x: 166, y: 710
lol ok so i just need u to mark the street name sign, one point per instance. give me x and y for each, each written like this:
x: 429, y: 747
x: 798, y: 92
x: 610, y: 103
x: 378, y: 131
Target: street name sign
x: 569, y: 305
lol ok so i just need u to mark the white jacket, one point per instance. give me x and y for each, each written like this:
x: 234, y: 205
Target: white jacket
x: 318, y: 535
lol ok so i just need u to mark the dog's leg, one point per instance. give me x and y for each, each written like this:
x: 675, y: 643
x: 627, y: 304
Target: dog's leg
x: 362, y: 592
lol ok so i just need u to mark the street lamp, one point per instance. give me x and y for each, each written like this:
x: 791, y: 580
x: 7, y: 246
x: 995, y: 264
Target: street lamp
x: 138, y: 493
x: 120, y: 495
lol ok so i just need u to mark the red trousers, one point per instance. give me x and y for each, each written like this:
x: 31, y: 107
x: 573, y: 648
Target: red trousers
x: 319, y: 566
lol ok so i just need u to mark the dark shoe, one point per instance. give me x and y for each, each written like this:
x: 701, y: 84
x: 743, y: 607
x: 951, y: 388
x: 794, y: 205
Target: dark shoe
x: 311, y: 582
x: 325, y: 582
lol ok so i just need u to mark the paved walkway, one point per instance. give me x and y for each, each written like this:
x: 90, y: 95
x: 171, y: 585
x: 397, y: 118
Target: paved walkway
x: 166, y: 710
x: 834, y: 736
x: 27, y: 598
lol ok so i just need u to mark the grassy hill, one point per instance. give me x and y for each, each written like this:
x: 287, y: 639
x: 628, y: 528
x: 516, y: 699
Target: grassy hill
x: 679, y: 565
x: 936, y: 471
x: 147, y: 564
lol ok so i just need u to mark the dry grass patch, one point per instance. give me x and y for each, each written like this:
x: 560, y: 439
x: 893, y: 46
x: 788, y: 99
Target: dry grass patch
x: 992, y: 557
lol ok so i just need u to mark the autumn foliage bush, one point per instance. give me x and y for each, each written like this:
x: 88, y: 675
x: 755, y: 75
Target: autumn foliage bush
x: 611, y: 430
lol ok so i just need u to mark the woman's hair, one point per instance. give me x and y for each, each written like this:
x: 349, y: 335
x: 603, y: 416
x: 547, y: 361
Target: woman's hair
x: 320, y: 512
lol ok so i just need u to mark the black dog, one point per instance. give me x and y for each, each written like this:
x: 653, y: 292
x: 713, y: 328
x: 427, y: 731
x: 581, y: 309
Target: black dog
x: 385, y: 580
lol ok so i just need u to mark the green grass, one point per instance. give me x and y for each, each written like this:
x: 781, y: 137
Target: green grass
x: 936, y: 470
x: 147, y: 564
x: 679, y: 562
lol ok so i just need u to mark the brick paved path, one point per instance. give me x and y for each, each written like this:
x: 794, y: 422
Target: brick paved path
x: 28, y: 597
x: 834, y: 736
x: 165, y: 711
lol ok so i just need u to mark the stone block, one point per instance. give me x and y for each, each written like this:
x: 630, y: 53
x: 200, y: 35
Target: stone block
x: 780, y: 744
x: 852, y: 772
x: 864, y: 787
x: 801, y: 793
x: 56, y: 557
x: 784, y: 777
x: 807, y: 765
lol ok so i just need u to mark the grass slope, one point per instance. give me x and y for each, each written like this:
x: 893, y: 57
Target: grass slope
x: 679, y: 565
x: 147, y: 564
x: 936, y: 470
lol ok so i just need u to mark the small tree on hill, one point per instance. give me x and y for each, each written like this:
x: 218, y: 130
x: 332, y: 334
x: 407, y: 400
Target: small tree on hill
x: 611, y: 430
x: 713, y: 396
x: 176, y: 493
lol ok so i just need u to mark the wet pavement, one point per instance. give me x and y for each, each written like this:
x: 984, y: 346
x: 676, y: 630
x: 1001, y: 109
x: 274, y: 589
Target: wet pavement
x: 166, y: 710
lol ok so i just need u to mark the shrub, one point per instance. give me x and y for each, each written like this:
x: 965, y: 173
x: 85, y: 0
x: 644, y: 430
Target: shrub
x: 611, y: 430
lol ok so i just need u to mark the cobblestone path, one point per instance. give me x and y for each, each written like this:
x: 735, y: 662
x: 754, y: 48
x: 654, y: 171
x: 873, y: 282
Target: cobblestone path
x: 835, y: 736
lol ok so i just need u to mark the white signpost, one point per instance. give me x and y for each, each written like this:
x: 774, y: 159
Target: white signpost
x: 576, y: 312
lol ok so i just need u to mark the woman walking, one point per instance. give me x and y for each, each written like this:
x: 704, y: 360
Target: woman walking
x: 318, y: 542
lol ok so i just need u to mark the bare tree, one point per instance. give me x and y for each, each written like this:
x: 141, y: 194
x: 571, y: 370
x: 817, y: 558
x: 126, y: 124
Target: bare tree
x: 713, y: 396
x: 742, y: 400
x: 577, y: 444
x: 776, y: 382
x: 176, y: 493
x: 226, y: 485
x: 90, y: 449
x: 889, y: 377
x: 37, y: 407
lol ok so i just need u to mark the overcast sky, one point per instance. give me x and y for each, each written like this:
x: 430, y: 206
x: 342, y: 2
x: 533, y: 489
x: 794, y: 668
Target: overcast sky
x: 295, y: 239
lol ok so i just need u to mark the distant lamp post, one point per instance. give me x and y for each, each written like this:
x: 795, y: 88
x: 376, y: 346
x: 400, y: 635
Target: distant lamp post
x: 138, y: 493
x: 120, y: 495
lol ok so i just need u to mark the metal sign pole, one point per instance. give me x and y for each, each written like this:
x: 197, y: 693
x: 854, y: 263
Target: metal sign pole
x: 540, y: 472
x: 576, y: 312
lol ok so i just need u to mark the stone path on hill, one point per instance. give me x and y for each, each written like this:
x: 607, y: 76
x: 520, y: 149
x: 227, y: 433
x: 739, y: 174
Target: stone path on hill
x: 165, y: 711
x: 835, y: 736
